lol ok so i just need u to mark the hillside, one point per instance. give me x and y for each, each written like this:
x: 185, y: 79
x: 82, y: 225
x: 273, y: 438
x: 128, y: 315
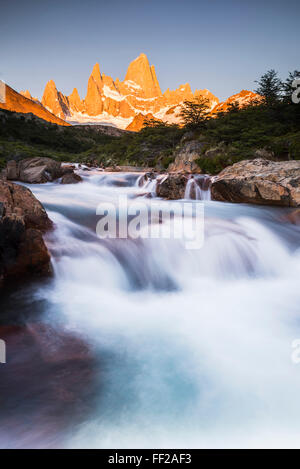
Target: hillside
x: 16, y: 102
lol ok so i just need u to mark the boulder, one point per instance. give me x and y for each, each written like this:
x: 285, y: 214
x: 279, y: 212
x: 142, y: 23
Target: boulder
x: 22, y: 222
x: 34, y: 170
x: 259, y: 181
x: 71, y: 178
x: 186, y: 157
x: 38, y: 170
x: 67, y: 168
x: 171, y: 187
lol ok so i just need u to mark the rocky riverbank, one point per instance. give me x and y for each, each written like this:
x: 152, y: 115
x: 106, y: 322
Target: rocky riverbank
x: 260, y: 182
x: 39, y: 170
x: 23, y: 220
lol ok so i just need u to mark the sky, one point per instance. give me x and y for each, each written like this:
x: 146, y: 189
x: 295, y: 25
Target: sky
x: 220, y: 45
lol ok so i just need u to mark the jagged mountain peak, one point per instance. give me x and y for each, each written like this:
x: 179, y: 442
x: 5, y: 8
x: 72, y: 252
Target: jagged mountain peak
x: 123, y: 102
x: 96, y: 74
x: 142, y: 74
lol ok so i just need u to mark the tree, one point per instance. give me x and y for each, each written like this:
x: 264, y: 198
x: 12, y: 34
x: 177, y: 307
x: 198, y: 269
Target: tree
x: 195, y: 113
x: 233, y: 107
x: 288, y: 89
x: 270, y: 87
x: 153, y: 123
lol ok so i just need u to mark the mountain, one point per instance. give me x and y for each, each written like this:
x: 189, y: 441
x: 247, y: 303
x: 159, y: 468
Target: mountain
x: 125, y: 104
x: 243, y: 98
x: 139, y: 121
x: 17, y: 102
x: 122, y: 103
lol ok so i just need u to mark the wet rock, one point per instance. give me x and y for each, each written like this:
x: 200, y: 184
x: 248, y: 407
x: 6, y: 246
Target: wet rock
x: 22, y: 221
x: 293, y: 217
x: 149, y: 176
x: 171, y: 187
x: 67, y: 168
x: 71, y: 178
x: 46, y: 384
x: 259, y: 181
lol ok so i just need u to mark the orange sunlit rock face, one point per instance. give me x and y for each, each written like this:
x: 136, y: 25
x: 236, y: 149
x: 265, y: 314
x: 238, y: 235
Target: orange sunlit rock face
x: 139, y: 122
x: 75, y: 101
x: 243, y: 98
x: 124, y: 103
x: 55, y: 101
x: 14, y: 101
x: 141, y: 74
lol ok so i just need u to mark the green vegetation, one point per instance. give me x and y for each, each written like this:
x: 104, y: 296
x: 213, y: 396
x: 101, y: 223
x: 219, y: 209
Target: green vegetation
x: 22, y: 137
x: 269, y: 127
x: 194, y: 114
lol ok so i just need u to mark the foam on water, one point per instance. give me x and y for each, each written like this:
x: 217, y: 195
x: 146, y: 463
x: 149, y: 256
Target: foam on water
x: 196, y: 344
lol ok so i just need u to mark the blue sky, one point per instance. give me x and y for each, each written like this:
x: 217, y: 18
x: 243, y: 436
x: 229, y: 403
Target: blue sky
x: 220, y: 45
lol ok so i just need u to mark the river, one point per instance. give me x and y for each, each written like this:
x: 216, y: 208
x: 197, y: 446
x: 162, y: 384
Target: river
x: 159, y: 346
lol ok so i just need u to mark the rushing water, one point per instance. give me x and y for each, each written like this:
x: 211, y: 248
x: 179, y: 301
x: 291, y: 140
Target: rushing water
x: 183, y: 348
x: 198, y: 187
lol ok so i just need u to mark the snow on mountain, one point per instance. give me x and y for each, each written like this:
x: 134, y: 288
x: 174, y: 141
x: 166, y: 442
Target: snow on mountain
x: 119, y: 103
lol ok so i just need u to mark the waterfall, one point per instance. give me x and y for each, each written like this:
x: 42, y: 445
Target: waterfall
x: 189, y: 347
x: 198, y: 187
x: 148, y: 182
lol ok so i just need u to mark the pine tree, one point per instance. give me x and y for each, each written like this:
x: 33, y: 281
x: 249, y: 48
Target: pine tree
x: 270, y: 87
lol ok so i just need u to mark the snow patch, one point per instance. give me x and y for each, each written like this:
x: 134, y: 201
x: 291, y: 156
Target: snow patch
x: 113, y: 94
x: 131, y: 84
x: 104, y: 118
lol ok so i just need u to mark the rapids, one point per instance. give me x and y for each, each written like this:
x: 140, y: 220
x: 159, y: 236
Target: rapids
x: 189, y: 349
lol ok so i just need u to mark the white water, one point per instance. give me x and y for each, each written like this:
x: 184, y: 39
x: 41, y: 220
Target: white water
x: 198, y: 188
x: 195, y: 346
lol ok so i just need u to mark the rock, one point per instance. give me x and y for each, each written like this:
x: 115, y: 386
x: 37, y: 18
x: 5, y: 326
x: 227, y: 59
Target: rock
x: 139, y: 121
x: 75, y: 102
x: 172, y: 187
x: 293, y: 217
x: 3, y: 175
x: 186, y: 157
x: 215, y: 151
x: 243, y: 99
x: 263, y: 153
x: 12, y: 170
x: 47, y: 383
x: 259, y: 181
x: 70, y: 178
x: 39, y: 170
x: 55, y: 100
x: 140, y: 73
x: 22, y: 221
x: 67, y: 168
x: 93, y: 99
x: 26, y: 108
